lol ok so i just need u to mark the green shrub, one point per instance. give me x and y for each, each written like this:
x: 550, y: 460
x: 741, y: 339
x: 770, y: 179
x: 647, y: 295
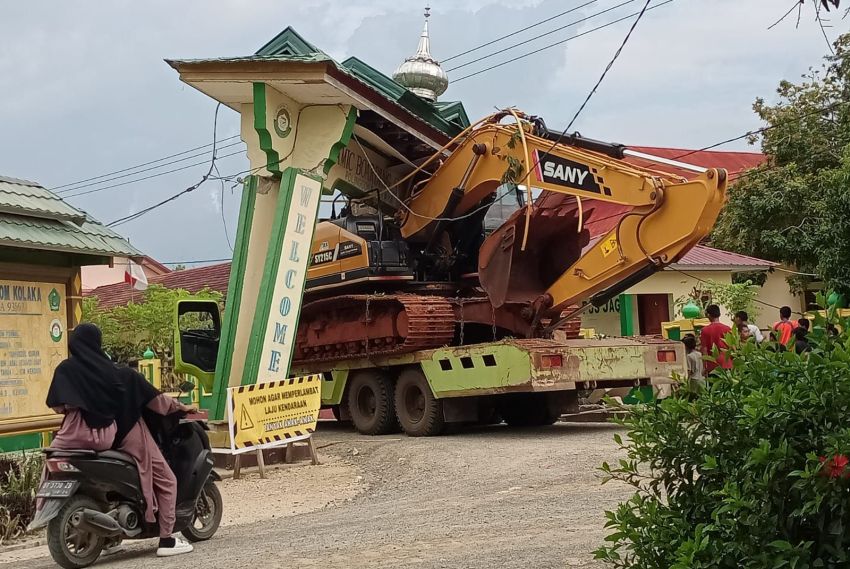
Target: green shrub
x: 751, y: 474
x: 19, y: 479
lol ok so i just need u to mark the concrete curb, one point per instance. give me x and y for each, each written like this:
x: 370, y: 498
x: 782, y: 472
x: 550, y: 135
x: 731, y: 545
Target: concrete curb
x: 26, y: 545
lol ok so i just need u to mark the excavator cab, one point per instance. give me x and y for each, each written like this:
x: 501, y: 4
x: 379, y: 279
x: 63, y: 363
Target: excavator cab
x: 357, y: 247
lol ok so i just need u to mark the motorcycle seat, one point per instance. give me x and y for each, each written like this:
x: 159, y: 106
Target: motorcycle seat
x: 116, y: 455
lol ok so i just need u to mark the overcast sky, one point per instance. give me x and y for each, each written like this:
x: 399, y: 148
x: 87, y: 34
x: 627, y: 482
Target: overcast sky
x: 85, y: 91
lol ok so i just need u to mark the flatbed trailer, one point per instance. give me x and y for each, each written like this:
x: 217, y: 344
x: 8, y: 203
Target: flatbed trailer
x: 521, y: 382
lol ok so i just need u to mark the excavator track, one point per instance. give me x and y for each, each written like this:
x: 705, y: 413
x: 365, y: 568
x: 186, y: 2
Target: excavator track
x: 365, y: 325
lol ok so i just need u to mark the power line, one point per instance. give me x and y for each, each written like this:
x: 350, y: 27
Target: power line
x: 761, y: 130
x: 138, y: 214
x: 557, y: 141
x: 510, y: 47
x: 518, y: 31
x: 80, y: 187
x: 517, y: 58
x: 140, y: 165
x: 607, y: 68
x: 95, y: 190
x: 221, y: 207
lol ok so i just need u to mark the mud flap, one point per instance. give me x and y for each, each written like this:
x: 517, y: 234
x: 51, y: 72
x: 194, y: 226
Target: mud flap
x: 49, y: 509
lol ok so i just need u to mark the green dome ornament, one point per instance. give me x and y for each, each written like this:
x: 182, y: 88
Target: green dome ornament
x: 149, y: 354
x: 691, y: 310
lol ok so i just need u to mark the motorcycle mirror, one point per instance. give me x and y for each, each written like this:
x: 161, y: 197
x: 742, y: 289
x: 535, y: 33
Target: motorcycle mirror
x: 186, y: 387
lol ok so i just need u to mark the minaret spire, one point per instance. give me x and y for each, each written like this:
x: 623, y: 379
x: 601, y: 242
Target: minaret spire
x: 421, y: 73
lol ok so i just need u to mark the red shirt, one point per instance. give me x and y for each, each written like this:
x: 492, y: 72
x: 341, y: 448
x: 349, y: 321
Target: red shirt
x: 711, y: 336
x: 785, y: 329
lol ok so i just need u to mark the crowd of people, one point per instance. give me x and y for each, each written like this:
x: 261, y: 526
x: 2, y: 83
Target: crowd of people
x: 712, y: 340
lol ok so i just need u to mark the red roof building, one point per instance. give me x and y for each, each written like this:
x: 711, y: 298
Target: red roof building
x: 214, y: 277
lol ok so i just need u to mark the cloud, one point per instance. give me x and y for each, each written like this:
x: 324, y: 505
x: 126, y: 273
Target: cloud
x: 86, y: 91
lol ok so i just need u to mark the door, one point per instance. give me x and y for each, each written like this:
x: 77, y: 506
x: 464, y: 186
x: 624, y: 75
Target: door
x: 653, y: 309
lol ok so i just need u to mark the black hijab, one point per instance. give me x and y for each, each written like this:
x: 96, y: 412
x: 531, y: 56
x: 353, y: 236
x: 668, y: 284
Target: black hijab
x: 103, y: 391
x: 87, y: 380
x: 137, y: 393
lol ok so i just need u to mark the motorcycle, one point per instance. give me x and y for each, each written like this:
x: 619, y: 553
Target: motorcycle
x: 88, y: 499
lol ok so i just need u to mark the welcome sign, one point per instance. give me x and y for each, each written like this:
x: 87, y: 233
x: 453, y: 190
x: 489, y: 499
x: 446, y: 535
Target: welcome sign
x: 298, y: 219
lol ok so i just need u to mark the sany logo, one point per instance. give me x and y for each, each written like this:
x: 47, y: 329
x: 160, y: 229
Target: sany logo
x: 560, y: 171
x: 565, y: 173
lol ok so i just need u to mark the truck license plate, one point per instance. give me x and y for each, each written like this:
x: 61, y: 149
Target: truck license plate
x: 57, y: 488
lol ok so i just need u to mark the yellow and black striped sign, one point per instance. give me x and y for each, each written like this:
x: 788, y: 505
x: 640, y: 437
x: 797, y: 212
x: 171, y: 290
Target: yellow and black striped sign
x: 274, y: 413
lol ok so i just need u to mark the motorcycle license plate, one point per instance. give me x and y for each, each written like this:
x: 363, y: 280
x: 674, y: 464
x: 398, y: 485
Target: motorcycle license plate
x: 57, y: 488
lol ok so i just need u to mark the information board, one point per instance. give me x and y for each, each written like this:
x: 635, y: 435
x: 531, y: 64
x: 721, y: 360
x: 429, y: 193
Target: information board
x: 273, y: 413
x: 33, y: 341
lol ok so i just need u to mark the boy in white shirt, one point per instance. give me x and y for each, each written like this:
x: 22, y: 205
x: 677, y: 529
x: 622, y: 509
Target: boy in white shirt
x: 741, y: 317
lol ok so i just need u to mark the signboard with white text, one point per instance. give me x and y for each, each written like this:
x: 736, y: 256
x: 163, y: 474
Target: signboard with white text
x: 278, y: 341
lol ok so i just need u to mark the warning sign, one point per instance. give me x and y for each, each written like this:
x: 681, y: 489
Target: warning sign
x: 273, y: 413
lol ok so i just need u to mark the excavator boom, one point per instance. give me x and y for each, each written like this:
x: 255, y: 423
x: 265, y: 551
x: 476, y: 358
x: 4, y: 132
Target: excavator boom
x: 544, y: 254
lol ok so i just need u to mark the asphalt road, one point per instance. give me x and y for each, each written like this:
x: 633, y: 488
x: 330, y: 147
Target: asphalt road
x: 489, y: 497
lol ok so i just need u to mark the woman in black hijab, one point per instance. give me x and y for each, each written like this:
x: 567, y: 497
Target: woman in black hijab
x: 88, y: 389
x: 103, y: 406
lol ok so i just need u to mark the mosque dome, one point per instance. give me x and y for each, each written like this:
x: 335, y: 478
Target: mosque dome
x: 421, y: 73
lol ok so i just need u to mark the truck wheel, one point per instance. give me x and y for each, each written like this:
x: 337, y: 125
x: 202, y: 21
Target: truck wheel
x: 419, y: 412
x: 70, y: 546
x: 528, y: 410
x: 370, y: 402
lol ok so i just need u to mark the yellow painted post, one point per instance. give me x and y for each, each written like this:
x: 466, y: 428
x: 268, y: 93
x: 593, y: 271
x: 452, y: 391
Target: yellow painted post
x: 152, y: 370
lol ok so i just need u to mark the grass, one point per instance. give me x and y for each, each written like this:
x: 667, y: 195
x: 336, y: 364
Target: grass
x: 20, y: 475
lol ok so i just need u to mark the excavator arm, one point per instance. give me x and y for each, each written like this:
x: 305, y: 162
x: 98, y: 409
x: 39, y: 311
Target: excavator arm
x: 544, y: 254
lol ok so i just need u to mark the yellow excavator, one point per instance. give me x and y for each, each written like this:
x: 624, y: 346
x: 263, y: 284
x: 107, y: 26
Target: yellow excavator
x: 412, y: 267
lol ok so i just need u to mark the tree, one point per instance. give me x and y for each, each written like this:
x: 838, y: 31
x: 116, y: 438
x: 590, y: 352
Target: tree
x: 732, y: 296
x: 129, y: 330
x: 753, y: 473
x: 795, y: 208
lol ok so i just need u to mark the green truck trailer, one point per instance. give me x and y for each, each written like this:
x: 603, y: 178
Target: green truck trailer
x: 521, y: 382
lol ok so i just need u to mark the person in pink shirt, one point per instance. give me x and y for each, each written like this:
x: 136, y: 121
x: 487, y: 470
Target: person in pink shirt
x: 712, y: 336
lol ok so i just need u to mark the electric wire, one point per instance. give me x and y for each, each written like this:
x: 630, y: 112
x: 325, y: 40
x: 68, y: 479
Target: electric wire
x: 158, y: 174
x: 537, y: 37
x: 515, y: 32
x: 555, y: 44
x: 138, y: 214
x: 607, y: 69
x: 80, y: 187
x: 221, y: 208
x: 140, y: 165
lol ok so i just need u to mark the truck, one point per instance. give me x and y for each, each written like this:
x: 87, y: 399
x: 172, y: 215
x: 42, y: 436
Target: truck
x: 523, y: 382
x: 418, y: 315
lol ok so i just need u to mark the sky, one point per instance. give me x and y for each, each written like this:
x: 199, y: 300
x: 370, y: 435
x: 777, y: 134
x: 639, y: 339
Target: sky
x: 85, y: 90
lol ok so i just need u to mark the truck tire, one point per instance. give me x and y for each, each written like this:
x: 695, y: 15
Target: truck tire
x: 370, y: 402
x: 528, y: 410
x: 420, y: 414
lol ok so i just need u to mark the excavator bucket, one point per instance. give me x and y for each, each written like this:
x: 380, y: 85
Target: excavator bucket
x: 510, y: 274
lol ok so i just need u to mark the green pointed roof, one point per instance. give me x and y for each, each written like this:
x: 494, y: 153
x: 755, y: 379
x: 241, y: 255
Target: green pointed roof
x: 288, y: 42
x: 448, y: 117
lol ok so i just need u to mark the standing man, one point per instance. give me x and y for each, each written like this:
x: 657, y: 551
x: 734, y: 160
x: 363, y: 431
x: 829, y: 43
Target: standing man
x: 785, y: 327
x: 711, y: 337
x: 742, y: 317
x: 696, y: 379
